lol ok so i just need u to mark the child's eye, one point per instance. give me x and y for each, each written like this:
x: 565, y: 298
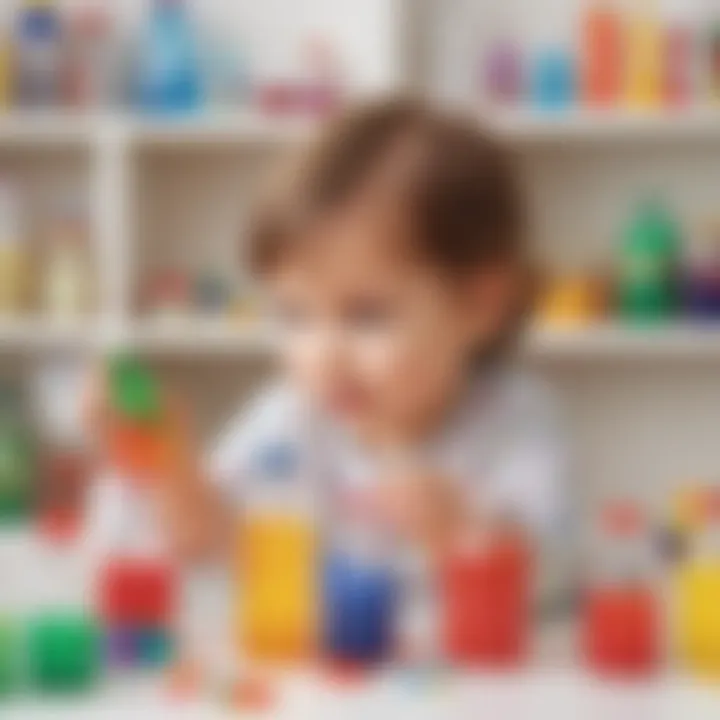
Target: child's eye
x: 368, y: 314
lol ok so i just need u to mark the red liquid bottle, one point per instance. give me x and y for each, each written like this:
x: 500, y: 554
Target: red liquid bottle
x: 485, y: 603
x: 620, y: 631
x: 602, y: 61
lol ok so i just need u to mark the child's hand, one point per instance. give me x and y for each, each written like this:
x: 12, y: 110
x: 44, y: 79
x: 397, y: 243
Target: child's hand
x: 424, y: 509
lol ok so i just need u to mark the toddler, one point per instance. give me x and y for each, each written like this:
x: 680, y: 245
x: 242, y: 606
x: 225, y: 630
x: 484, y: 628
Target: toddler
x: 392, y: 254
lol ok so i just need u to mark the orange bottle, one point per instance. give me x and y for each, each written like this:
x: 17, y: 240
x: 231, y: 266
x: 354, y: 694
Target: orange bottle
x: 602, y: 63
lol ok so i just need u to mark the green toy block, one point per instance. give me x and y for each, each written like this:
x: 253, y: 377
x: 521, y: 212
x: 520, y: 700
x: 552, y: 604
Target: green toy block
x: 134, y: 392
x: 64, y: 652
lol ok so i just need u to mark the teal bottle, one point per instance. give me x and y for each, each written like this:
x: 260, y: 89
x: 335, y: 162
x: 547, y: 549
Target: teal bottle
x: 17, y: 466
x: 648, y: 265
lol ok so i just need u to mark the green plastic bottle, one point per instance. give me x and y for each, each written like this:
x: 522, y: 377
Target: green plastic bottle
x: 17, y: 458
x: 648, y: 266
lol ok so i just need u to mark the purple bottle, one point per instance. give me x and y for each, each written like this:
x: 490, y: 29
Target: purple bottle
x: 502, y: 72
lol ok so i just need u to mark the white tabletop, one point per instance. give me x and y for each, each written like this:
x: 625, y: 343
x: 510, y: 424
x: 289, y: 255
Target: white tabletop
x: 552, y: 694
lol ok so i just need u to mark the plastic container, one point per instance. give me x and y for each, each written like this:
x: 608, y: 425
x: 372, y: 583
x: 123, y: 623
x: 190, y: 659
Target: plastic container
x: 697, y: 594
x: 644, y: 58
x: 67, y: 292
x: 168, y: 74
x: 484, y: 603
x: 553, y: 79
x: 38, y: 56
x: 602, y: 59
x: 14, y: 261
x: 620, y: 624
x: 648, y: 265
x: 277, y: 547
x: 359, y: 610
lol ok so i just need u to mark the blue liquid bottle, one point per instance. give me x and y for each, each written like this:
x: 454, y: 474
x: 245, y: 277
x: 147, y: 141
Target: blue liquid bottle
x: 169, y: 78
x: 359, y: 610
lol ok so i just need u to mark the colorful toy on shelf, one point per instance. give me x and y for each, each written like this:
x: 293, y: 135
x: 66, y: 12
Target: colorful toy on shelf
x: 485, y: 601
x: 602, y: 62
x: 503, y: 73
x: 277, y: 547
x: 644, y: 56
x: 679, y: 75
x: 38, y: 54
x: 701, y: 279
x: 552, y: 80
x: 697, y: 592
x: 168, y: 75
x: 574, y: 301
x: 648, y: 265
x: 169, y: 295
x: 67, y: 291
x: 621, y: 624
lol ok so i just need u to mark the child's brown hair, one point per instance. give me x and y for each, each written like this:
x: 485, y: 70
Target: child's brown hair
x: 455, y: 186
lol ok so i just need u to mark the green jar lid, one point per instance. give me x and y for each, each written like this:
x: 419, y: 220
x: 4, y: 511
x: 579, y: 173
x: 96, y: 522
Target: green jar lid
x: 134, y: 391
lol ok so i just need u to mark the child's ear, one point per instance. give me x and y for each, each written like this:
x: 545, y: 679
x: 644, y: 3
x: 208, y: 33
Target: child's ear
x: 493, y: 296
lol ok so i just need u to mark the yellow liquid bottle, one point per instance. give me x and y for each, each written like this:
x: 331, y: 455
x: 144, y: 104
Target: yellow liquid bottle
x: 644, y: 56
x: 277, y: 600
x: 697, y: 601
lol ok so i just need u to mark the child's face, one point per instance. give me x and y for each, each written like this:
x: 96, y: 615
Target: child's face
x: 380, y: 339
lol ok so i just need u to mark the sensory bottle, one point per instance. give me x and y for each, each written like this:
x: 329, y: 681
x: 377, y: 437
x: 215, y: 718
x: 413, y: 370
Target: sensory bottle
x: 38, y: 53
x: 681, y: 54
x: 648, y: 265
x: 697, y: 593
x: 276, y: 553
x: 484, y: 600
x: 620, y: 625
x: 602, y: 60
x: 360, y: 591
x: 169, y: 66
x: 64, y: 640
x: 644, y: 60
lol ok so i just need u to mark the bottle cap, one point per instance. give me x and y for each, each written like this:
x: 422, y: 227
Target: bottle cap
x: 134, y: 392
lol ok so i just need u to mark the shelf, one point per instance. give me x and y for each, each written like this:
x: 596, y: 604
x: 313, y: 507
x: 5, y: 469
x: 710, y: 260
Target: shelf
x: 218, y: 129
x: 582, y: 125
x: 38, y: 334
x: 48, y: 128
x: 200, y: 338
x: 621, y: 342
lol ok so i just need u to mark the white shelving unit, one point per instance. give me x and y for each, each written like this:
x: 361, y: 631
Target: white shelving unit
x: 641, y: 403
